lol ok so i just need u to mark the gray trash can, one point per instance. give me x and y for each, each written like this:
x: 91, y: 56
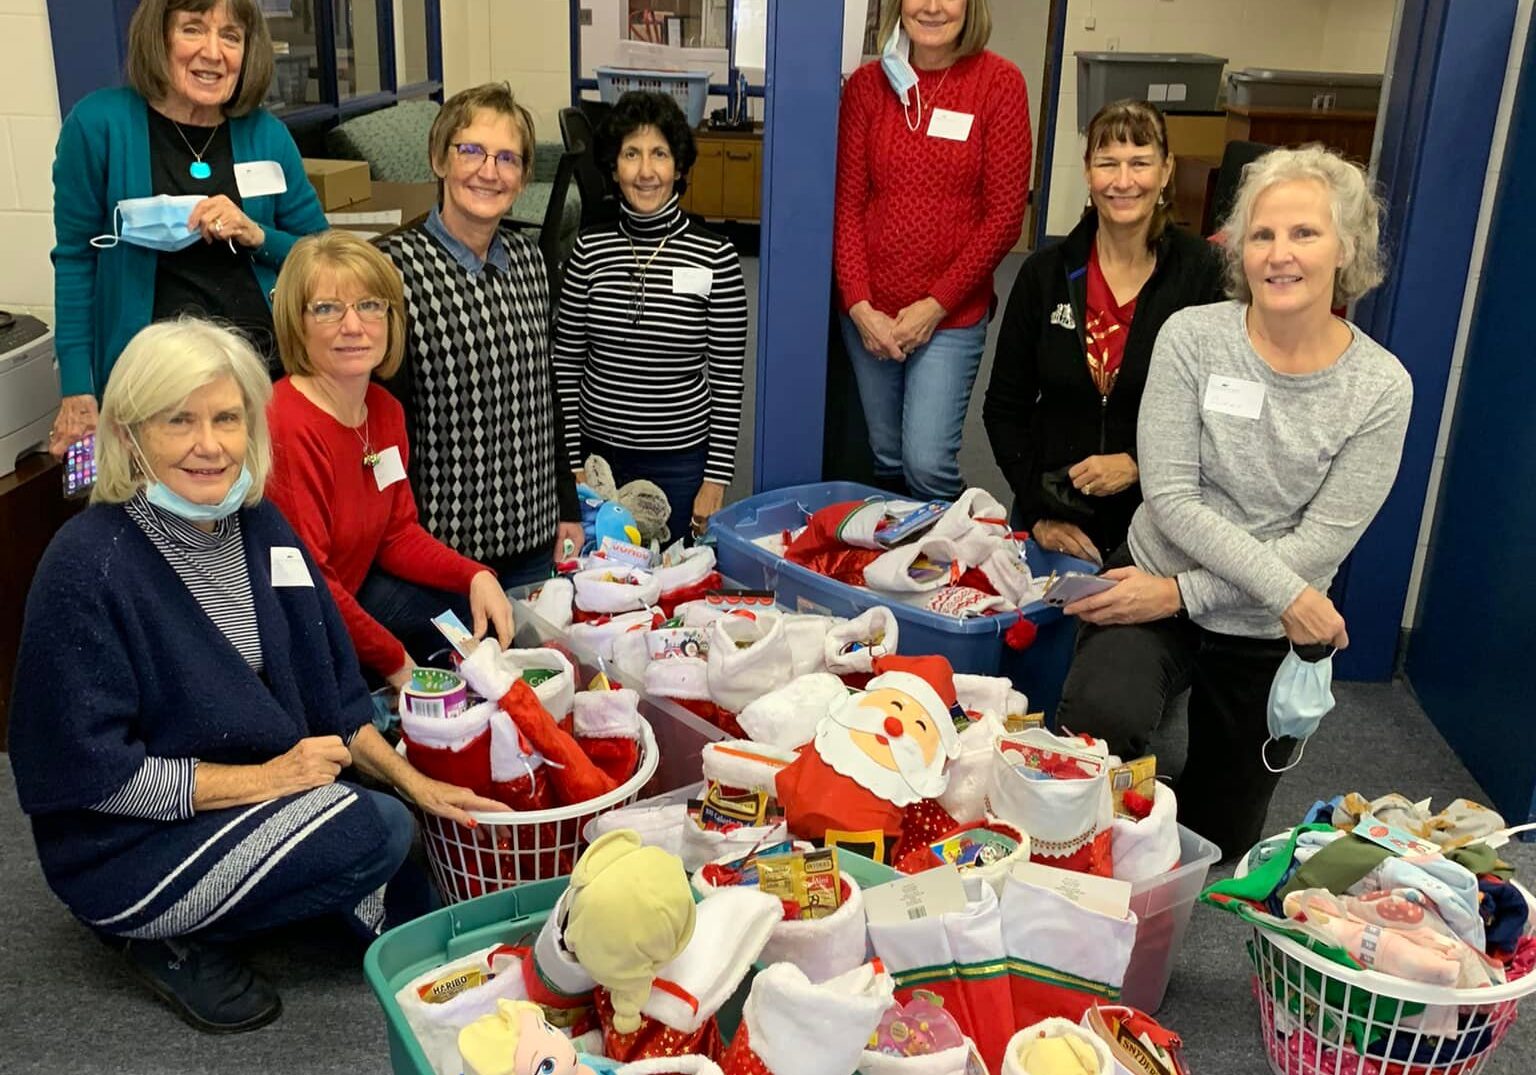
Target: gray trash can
x: 1267, y: 87
x: 1174, y: 81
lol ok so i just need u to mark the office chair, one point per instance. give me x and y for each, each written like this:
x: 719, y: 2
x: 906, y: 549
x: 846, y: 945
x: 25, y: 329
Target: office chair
x: 598, y: 203
x: 1233, y: 159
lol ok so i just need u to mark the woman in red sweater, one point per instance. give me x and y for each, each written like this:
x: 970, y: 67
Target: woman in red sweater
x: 933, y: 163
x: 339, y: 458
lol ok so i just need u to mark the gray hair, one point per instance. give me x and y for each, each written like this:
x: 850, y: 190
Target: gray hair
x: 161, y: 366
x: 1356, y: 207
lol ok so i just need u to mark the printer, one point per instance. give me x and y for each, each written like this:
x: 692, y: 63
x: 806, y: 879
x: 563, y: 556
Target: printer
x: 29, y: 388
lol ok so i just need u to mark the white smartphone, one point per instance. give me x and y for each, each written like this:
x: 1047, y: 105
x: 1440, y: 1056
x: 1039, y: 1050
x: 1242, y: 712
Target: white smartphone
x: 1071, y: 588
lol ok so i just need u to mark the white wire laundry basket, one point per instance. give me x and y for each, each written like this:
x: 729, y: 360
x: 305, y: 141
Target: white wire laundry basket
x: 513, y: 847
x: 1320, y: 1018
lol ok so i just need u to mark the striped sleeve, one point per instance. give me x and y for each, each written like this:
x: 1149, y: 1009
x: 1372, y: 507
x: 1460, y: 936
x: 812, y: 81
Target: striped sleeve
x: 161, y: 790
x: 570, y: 348
x: 727, y: 344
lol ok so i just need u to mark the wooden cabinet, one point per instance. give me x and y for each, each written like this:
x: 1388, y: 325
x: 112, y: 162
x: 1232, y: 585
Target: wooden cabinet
x: 727, y: 180
x: 1349, y: 132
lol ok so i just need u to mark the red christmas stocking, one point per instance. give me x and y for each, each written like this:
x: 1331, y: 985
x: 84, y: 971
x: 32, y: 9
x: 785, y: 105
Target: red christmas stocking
x: 792, y: 1026
x: 518, y: 776
x: 684, y: 680
x: 576, y: 778
x: 608, y: 731
x: 1062, y: 957
x: 455, y: 750
x: 839, y: 541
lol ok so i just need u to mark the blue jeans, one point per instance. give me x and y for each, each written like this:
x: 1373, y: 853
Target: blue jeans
x: 915, y: 409
x: 678, y: 474
x: 405, y: 610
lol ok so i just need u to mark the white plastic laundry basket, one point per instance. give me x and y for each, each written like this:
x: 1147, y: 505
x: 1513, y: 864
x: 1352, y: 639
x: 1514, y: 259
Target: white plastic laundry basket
x: 510, y: 848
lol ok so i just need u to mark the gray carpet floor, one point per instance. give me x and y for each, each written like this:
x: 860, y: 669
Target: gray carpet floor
x: 66, y: 1007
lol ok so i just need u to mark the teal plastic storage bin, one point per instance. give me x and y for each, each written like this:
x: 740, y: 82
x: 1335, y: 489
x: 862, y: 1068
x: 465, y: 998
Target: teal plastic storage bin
x: 513, y: 916
x: 973, y: 645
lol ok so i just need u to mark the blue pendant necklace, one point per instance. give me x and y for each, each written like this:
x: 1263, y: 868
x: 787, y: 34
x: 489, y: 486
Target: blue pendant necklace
x: 199, y: 168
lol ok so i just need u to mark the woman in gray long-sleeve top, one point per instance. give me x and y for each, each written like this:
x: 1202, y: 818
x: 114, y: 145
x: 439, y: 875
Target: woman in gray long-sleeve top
x: 1269, y: 435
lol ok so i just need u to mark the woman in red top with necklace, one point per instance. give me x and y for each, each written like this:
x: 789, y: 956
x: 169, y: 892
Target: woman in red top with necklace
x: 1076, y: 340
x: 933, y: 163
x: 339, y: 459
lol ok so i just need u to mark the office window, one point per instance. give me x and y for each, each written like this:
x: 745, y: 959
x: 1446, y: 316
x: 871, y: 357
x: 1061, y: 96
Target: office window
x: 357, y: 48
x: 296, y: 59
x: 689, y: 24
x: 414, y: 67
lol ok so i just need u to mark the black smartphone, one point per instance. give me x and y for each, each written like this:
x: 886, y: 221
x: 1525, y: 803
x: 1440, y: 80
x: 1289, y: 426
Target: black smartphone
x: 80, y: 466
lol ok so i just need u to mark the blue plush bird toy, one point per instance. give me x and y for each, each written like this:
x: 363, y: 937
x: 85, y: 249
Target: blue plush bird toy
x: 616, y: 521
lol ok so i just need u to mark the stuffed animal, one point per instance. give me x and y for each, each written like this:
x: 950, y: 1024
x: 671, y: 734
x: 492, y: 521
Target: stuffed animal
x: 516, y: 1040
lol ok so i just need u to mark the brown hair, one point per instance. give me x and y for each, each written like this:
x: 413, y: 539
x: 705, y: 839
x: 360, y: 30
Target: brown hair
x: 1134, y: 123
x: 459, y: 111
x: 343, y: 253
x: 975, y: 32
x: 148, y: 61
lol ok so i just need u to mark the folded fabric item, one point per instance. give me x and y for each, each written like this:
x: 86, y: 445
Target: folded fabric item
x: 1504, y: 913
x: 519, y: 778
x: 1460, y: 823
x: 989, y: 696
x: 1337, y: 867
x: 553, y: 601
x: 787, y: 716
x: 852, y: 647
x: 1057, y: 1047
x: 748, y: 657
x: 1416, y: 953
x: 1481, y: 860
x: 1008, y: 575
x: 1445, y: 886
x: 926, y: 564
x: 689, y: 579
x: 1149, y: 847
x: 546, y: 669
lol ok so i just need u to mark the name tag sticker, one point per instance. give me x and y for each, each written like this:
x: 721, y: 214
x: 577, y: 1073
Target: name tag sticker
x: 289, y: 568
x: 388, y: 469
x: 256, y: 178
x: 953, y: 126
x: 1234, y: 396
x: 690, y: 281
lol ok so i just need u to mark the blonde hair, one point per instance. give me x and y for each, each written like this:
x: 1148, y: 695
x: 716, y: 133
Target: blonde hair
x: 149, y: 63
x: 975, y: 32
x: 459, y: 111
x: 161, y: 366
x: 347, y: 255
x: 1355, y: 207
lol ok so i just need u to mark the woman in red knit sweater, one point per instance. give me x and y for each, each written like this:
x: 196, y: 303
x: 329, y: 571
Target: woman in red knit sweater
x: 339, y: 458
x: 933, y: 163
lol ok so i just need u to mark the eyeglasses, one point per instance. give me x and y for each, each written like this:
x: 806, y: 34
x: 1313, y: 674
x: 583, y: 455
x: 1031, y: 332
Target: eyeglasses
x: 330, y: 311
x: 474, y: 154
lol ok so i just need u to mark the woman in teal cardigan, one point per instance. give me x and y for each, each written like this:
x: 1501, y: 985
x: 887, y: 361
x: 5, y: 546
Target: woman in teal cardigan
x: 189, y: 124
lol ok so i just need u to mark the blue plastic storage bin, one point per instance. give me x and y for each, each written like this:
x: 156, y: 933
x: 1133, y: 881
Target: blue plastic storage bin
x: 689, y: 88
x: 973, y: 645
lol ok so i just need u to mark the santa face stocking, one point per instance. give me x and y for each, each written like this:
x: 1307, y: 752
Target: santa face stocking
x: 455, y: 750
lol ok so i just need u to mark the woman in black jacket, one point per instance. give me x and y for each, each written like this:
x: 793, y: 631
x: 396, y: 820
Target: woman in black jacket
x: 1077, y: 336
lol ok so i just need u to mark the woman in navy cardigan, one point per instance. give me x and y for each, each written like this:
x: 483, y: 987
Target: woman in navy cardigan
x: 188, y: 126
x: 187, y: 699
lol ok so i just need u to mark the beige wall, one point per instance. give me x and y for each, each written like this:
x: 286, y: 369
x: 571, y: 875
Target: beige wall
x: 526, y: 42
x: 29, y: 127
x: 1316, y: 35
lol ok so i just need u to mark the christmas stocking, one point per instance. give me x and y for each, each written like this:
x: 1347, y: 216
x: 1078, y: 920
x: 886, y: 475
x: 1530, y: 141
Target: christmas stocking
x: 1007, y: 575
x: 672, y: 1065
x: 839, y: 540
x: 553, y: 603
x: 601, y: 635
x: 455, y: 750
x: 975, y: 522
x: 965, y: 796
x: 549, y: 672
x: 1063, y: 957
x: 963, y: 601
x: 607, y: 591
x: 607, y: 725
x: 685, y: 680
x: 518, y: 777
x: 1057, y: 1047
x: 575, y: 777
x: 679, y: 1016
x: 989, y: 696
x: 745, y: 765
x: 1149, y: 847
x: 748, y: 657
x: 1068, y: 819
x: 689, y: 579
x: 851, y: 647
x: 808, y: 641
x: 793, y: 1026
x: 925, y: 564
x: 950, y: 955
x: 787, y: 717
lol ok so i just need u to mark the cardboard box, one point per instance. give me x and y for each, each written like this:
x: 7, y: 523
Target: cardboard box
x: 338, y: 183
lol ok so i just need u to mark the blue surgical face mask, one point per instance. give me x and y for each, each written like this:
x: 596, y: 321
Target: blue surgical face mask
x: 166, y: 499
x: 898, y: 69
x: 1300, y: 696
x: 158, y: 223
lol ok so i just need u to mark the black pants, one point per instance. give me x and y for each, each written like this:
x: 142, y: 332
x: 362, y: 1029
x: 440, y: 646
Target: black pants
x: 1122, y: 679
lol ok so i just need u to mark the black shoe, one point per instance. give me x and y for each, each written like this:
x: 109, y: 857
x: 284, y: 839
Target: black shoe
x: 205, y: 985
